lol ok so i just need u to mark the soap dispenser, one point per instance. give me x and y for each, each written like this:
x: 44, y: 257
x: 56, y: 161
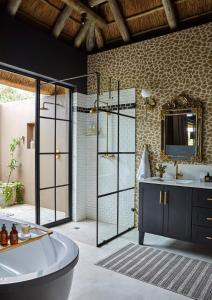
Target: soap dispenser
x: 13, y: 235
x: 4, y: 236
x: 207, y: 177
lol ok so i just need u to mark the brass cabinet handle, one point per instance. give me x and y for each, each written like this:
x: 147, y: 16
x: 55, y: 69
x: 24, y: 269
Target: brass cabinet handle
x: 165, y: 198
x: 209, y: 199
x: 209, y: 238
x: 209, y: 219
x: 161, y: 197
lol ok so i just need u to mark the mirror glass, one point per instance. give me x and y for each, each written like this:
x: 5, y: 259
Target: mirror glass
x: 180, y: 135
x: 181, y: 126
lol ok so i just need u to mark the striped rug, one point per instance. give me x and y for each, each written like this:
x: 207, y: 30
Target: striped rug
x: 174, y: 272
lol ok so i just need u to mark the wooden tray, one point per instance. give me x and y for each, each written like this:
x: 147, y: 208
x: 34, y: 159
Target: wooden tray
x: 36, y: 234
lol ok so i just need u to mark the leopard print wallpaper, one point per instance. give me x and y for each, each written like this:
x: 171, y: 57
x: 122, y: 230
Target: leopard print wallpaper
x: 168, y: 65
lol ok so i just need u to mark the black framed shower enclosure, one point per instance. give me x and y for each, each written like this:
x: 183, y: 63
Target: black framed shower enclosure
x: 53, y: 153
x: 115, y: 193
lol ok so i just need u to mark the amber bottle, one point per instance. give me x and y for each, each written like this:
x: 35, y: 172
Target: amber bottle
x: 4, y: 236
x: 13, y: 235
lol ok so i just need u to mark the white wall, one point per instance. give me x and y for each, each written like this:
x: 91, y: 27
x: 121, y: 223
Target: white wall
x: 14, y: 117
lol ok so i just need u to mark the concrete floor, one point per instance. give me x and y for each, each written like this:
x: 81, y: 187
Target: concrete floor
x: 95, y: 283
x: 26, y: 212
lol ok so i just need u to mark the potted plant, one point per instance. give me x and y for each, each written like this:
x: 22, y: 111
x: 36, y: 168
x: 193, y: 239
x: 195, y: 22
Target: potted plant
x: 9, y: 191
x: 161, y: 170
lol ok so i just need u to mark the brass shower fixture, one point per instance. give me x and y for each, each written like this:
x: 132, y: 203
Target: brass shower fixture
x: 94, y: 110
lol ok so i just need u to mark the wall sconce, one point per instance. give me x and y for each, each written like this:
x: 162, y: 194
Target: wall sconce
x: 149, y: 101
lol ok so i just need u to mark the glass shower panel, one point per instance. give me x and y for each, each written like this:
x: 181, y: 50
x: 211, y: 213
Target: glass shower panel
x: 107, y: 174
x: 54, y: 121
x: 127, y: 102
x: 62, y: 169
x: 62, y: 107
x: 47, y: 128
x: 62, y: 134
x: 126, y: 215
x: 47, y: 104
x: 107, y: 217
x: 108, y: 130
x: 47, y: 170
x: 47, y: 206
x: 126, y: 171
x: 126, y: 134
x: 62, y: 205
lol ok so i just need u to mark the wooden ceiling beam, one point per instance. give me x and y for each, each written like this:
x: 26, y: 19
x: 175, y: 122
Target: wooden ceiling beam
x: 93, y: 3
x: 80, y: 7
x: 99, y: 38
x: 90, y: 39
x: 170, y: 13
x: 147, y: 13
x: 13, y: 6
x: 61, y: 20
x: 119, y: 20
x: 56, y: 8
x: 82, y: 34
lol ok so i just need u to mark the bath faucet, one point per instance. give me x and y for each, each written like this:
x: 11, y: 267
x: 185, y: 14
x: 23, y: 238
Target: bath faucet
x: 177, y: 173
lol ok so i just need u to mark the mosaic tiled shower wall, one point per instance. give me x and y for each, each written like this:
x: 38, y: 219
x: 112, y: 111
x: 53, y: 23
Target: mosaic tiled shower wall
x: 168, y: 65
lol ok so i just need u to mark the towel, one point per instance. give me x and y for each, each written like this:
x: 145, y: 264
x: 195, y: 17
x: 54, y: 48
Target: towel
x: 144, y: 168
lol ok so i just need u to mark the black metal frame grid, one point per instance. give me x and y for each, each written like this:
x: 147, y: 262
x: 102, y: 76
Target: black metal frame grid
x: 118, y: 153
x: 71, y: 87
x: 55, y: 187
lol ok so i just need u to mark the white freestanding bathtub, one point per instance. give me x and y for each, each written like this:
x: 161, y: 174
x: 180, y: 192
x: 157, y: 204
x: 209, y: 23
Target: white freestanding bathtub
x: 41, y: 270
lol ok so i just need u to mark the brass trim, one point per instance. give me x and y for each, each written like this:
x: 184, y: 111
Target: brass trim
x: 209, y: 199
x: 165, y: 198
x: 57, y: 155
x: 161, y: 197
x: 209, y: 219
x: 208, y: 238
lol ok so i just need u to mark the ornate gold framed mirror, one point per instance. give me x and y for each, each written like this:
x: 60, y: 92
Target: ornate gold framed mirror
x: 181, y: 130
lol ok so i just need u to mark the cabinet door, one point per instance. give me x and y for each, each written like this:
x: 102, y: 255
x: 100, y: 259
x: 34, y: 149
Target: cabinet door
x: 177, y: 212
x: 151, y: 210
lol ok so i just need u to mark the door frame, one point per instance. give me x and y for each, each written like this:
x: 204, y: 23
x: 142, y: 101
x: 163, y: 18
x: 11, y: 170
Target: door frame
x: 71, y: 87
x: 118, y: 153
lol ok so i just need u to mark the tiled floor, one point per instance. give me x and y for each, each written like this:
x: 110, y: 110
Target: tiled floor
x: 95, y: 283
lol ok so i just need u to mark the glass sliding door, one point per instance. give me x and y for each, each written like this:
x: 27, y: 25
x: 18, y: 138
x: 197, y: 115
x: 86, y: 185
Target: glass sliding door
x: 115, y: 166
x: 53, y: 153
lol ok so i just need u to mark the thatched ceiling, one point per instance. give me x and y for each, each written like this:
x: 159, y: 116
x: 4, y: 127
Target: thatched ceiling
x: 19, y: 81
x: 125, y: 19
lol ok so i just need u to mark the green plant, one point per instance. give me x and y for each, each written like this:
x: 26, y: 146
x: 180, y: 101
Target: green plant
x: 8, y: 188
x: 13, y: 163
x: 19, y: 187
x: 161, y: 169
x: 7, y: 191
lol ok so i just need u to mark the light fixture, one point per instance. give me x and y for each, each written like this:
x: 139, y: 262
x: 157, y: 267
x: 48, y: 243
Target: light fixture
x: 83, y: 18
x: 149, y: 101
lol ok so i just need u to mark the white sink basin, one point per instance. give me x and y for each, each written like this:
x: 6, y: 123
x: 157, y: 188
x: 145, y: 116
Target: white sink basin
x: 172, y: 180
x: 184, y: 181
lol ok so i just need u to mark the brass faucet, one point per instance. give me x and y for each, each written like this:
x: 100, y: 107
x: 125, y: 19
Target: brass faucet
x: 177, y: 173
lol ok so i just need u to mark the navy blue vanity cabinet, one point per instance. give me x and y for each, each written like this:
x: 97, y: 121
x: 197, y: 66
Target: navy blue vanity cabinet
x: 165, y: 210
x: 150, y: 210
x: 177, y: 212
x: 202, y: 217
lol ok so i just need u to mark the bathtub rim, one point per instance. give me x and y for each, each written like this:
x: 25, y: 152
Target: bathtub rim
x: 21, y: 279
x: 39, y: 280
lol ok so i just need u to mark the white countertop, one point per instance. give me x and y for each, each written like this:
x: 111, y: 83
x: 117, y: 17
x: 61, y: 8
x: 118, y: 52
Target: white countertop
x: 173, y: 182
